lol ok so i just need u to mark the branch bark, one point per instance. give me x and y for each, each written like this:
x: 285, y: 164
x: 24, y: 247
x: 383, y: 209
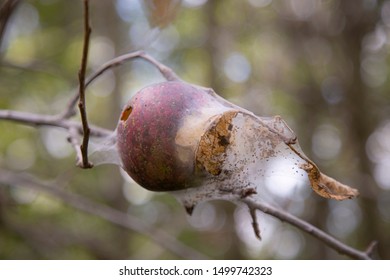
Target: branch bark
x: 32, y: 119
x: 167, y: 73
x: 310, y: 229
x: 75, y: 129
x: 84, y: 162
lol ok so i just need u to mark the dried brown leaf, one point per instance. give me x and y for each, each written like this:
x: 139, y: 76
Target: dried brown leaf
x: 326, y: 186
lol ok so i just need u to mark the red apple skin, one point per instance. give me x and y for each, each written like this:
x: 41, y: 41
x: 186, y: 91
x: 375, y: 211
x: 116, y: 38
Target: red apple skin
x: 147, y: 135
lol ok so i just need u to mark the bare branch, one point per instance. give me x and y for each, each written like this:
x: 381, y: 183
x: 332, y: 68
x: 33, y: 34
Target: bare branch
x: 309, y: 228
x: 167, y: 73
x: 73, y: 139
x: 255, y: 224
x: 32, y: 119
x: 75, y: 129
x: 371, y: 248
x: 84, y: 163
x: 109, y: 214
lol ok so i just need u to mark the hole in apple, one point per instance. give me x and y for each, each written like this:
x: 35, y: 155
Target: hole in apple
x: 126, y: 113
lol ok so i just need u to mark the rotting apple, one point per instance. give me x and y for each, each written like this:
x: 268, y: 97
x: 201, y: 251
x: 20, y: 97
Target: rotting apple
x: 159, y: 131
x: 186, y: 139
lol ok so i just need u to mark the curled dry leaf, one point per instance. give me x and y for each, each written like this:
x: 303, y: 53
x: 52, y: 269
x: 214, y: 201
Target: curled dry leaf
x: 326, y: 186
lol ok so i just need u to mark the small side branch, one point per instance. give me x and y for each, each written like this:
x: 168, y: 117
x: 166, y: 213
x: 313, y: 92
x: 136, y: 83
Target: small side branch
x: 255, y: 224
x: 75, y: 129
x: 84, y: 163
x: 312, y: 230
x: 32, y: 119
x: 167, y: 72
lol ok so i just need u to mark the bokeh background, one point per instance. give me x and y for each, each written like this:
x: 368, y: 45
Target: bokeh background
x: 323, y: 65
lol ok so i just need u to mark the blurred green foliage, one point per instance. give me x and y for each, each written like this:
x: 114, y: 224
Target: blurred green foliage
x: 322, y: 65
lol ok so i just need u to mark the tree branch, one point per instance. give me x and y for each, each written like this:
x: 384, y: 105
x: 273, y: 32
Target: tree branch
x: 32, y: 119
x: 75, y: 129
x: 104, y: 212
x: 310, y: 229
x: 84, y: 162
x: 165, y: 71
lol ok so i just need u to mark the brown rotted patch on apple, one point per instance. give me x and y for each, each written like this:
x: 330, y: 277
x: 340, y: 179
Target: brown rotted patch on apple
x: 126, y: 113
x: 211, y: 152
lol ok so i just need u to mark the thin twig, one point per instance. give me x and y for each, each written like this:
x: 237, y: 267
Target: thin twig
x: 75, y: 129
x: 371, y: 248
x: 84, y: 163
x: 167, y: 73
x: 32, y: 119
x: 107, y: 213
x: 312, y: 230
x: 73, y: 139
x: 255, y: 224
